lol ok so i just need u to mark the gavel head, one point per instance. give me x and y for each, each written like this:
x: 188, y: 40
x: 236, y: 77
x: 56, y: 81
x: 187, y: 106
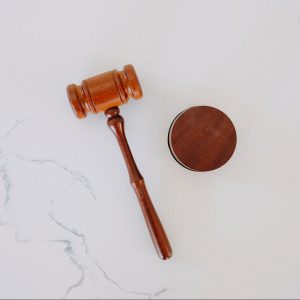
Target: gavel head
x: 104, y: 91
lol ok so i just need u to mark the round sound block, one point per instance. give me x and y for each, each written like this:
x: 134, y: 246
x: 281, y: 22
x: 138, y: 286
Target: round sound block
x: 202, y: 138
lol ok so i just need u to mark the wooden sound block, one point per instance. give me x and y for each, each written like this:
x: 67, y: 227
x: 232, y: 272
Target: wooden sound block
x: 202, y: 138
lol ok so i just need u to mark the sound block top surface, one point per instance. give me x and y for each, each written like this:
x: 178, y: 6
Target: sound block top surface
x: 202, y: 138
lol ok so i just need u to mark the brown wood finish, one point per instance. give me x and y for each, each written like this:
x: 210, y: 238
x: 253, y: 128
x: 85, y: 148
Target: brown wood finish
x: 116, y: 123
x: 103, y: 93
x: 202, y: 138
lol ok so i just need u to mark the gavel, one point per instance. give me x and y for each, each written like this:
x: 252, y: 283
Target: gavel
x: 104, y: 93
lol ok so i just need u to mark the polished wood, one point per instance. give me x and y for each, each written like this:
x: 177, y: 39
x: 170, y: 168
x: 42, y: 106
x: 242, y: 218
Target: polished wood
x: 104, y: 93
x: 202, y: 138
x: 101, y: 92
x: 116, y: 123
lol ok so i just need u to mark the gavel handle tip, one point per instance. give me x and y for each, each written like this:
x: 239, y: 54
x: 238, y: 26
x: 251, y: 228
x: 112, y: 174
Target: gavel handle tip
x: 157, y: 232
x: 166, y: 256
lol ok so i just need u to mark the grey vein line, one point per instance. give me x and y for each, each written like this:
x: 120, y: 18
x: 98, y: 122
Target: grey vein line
x: 115, y: 283
x: 18, y: 122
x: 7, y: 183
x: 83, y: 180
x: 73, y: 231
x: 162, y: 291
x: 104, y: 273
x: 69, y: 251
x: 76, y: 175
x: 8, y: 133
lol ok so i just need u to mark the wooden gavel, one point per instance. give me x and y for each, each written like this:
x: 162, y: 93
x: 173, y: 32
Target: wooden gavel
x: 104, y: 93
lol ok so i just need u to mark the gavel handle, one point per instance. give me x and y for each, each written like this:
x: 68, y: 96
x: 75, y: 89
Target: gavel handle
x: 116, y: 123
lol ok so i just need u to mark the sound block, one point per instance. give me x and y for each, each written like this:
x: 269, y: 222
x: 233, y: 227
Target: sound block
x: 202, y: 138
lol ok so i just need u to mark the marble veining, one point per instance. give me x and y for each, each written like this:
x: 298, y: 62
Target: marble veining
x: 75, y: 243
x: 70, y: 223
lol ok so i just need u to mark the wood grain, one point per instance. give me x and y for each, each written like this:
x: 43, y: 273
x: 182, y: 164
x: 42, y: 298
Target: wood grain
x: 202, y: 138
x: 116, y: 123
x: 101, y: 92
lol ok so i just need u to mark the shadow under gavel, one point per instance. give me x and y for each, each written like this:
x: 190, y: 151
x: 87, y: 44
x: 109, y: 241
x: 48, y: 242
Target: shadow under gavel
x: 104, y: 93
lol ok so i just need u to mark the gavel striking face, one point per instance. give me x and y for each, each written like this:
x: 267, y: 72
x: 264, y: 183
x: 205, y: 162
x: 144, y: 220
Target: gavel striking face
x: 104, y: 93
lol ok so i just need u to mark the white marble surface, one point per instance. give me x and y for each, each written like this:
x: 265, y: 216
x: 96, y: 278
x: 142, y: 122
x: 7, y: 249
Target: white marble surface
x: 70, y: 224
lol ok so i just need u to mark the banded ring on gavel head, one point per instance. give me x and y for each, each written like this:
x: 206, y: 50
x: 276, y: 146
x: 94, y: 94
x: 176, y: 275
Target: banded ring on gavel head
x: 104, y: 91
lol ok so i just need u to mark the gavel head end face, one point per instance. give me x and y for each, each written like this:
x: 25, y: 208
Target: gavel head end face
x: 104, y: 91
x: 75, y: 99
x: 133, y: 82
